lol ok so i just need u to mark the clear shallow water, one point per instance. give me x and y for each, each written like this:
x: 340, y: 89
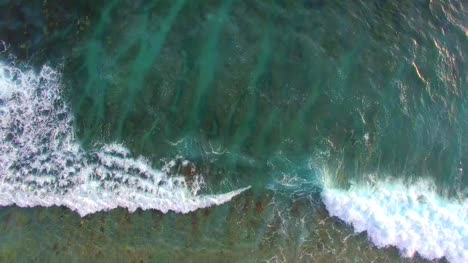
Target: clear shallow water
x: 321, y: 107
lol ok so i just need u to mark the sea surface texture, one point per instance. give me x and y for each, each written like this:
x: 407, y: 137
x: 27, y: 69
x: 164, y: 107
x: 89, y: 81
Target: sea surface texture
x: 234, y: 131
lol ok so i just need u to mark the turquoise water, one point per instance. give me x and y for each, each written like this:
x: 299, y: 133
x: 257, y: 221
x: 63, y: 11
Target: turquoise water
x: 243, y: 131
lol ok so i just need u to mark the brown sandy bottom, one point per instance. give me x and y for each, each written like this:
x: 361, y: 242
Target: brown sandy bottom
x: 266, y: 228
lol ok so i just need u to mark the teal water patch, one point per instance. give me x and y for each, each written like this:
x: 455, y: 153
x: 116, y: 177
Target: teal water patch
x: 263, y: 93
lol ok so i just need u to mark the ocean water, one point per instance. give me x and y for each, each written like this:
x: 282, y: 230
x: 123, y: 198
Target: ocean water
x: 233, y: 131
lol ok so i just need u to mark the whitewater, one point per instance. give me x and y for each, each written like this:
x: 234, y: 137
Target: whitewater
x: 43, y: 164
x: 409, y: 216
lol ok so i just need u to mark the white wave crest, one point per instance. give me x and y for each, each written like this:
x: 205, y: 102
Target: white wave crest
x: 412, y: 218
x: 42, y: 164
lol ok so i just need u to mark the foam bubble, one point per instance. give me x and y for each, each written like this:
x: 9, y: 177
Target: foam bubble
x: 41, y: 163
x: 411, y: 217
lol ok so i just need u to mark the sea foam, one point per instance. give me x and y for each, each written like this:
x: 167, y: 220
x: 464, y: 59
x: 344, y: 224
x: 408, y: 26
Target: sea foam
x: 412, y: 218
x: 42, y: 164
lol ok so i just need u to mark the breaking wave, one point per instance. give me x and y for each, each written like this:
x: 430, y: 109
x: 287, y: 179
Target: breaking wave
x: 412, y: 218
x: 42, y: 164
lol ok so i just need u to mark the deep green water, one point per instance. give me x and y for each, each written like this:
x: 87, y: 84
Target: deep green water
x: 272, y: 94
